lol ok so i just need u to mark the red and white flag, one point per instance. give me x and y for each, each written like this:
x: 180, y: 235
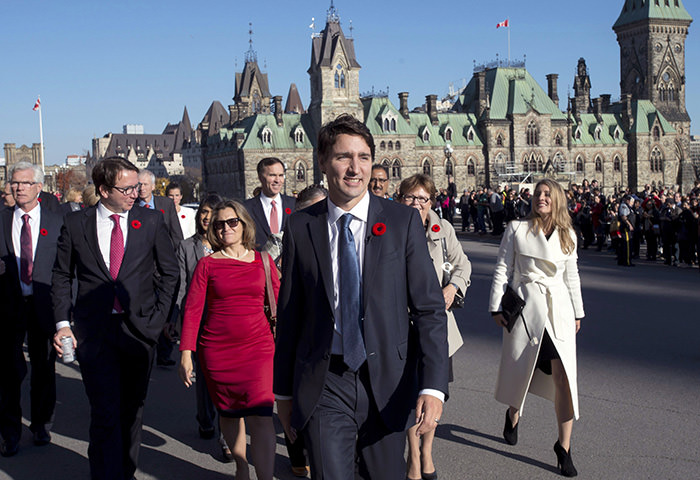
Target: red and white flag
x: 37, y: 105
x: 504, y: 23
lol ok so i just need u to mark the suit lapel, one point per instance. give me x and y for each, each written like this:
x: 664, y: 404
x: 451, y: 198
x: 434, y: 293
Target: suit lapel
x: 90, y: 229
x: 264, y: 222
x: 373, y: 246
x: 318, y: 232
x: 133, y: 238
x: 7, y: 215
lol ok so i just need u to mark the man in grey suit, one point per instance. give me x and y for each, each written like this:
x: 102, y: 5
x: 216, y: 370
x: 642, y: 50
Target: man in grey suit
x: 28, y: 235
x: 271, y: 208
x: 362, y: 331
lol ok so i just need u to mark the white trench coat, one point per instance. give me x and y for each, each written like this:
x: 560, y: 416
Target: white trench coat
x: 547, y: 279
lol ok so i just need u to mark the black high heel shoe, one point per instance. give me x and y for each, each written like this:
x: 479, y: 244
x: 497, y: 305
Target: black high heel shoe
x: 564, y: 462
x: 510, y: 432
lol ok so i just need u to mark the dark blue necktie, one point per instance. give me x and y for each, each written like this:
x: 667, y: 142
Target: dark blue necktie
x: 349, y: 275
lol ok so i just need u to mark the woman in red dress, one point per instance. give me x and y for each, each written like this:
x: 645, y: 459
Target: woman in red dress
x: 235, y: 345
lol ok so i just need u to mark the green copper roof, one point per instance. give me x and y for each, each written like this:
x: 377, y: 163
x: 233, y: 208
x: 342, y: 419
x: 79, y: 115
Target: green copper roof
x: 645, y: 113
x: 589, y: 125
x: 511, y: 91
x: 281, y: 137
x: 460, y: 123
x: 638, y: 10
x: 375, y: 111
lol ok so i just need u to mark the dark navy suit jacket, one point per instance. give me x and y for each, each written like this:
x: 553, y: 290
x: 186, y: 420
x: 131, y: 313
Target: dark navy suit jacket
x: 262, y: 224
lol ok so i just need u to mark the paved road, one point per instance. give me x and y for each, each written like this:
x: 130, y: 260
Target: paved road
x: 639, y: 383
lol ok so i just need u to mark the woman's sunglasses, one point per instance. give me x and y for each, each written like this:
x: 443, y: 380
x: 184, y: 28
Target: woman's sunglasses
x: 231, y: 222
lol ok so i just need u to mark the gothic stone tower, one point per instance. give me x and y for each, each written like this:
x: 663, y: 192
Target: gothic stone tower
x: 334, y: 74
x: 652, y: 34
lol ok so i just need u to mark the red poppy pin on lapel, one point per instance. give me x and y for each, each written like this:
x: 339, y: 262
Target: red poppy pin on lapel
x: 162, y: 211
x: 435, y: 228
x: 379, y: 229
x: 180, y: 215
x: 136, y: 224
x: 43, y: 232
x: 288, y: 211
x: 39, y: 199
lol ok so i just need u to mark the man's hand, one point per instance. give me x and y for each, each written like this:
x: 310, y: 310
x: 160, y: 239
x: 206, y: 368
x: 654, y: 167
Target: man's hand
x: 284, y: 412
x: 428, y: 413
x: 448, y: 293
x: 63, y: 332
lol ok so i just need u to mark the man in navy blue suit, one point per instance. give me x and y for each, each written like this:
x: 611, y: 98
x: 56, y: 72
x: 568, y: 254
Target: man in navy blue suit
x: 28, y: 235
x: 362, y: 331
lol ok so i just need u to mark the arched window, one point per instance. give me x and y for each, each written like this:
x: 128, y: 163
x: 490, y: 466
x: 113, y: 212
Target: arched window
x: 342, y: 80
x: 393, y: 124
x: 540, y: 165
x: 390, y: 145
x: 301, y: 172
x: 532, y: 134
x: 396, y: 169
x: 656, y: 161
x: 558, y: 162
x: 471, y: 168
x: 257, y: 103
x: 470, y: 135
x: 427, y: 170
x: 299, y: 136
x: 598, y: 164
x: 426, y: 135
x: 448, y: 134
x: 657, y: 132
x: 579, y: 164
x: 533, y: 164
x: 339, y: 76
x: 266, y: 136
x: 558, y: 140
x: 499, y: 140
x: 337, y: 80
x: 526, y: 166
x: 448, y: 167
x: 382, y: 146
x: 617, y: 165
x: 397, y: 145
x: 386, y: 124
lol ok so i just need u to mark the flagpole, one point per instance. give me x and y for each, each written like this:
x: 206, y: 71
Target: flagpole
x: 508, y: 42
x: 41, y: 138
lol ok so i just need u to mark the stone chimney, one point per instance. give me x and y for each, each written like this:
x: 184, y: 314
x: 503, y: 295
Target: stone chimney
x: 598, y: 108
x: 606, y: 102
x: 403, y: 104
x: 431, y: 108
x: 233, y: 113
x: 481, y: 93
x: 552, y: 90
x: 277, y: 100
x: 627, y: 119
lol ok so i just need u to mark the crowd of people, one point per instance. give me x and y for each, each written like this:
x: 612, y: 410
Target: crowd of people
x: 335, y: 306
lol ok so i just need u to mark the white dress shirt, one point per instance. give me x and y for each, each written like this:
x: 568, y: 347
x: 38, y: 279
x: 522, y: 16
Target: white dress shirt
x: 35, y: 226
x: 267, y: 208
x: 186, y: 216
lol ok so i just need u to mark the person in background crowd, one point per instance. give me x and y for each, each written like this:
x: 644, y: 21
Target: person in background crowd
x: 497, y: 211
x: 234, y: 342
x: 482, y: 209
x: 7, y: 198
x: 523, y: 203
x: 510, y: 206
x: 668, y: 221
x: 164, y: 205
x: 185, y: 215
x: 270, y: 208
x: 114, y: 252
x: 74, y: 202
x: 538, y: 259
x: 26, y: 261
x: 90, y: 198
x: 637, y: 233
x: 418, y: 191
x: 687, y: 234
x: 626, y: 218
x: 310, y: 195
x: 379, y: 181
x: 452, y: 194
x: 49, y: 201
x: 189, y: 253
x: 598, y: 213
x: 650, y: 223
x: 464, y: 210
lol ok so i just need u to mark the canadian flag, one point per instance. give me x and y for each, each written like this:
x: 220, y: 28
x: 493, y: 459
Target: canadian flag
x: 502, y: 24
x: 37, y: 105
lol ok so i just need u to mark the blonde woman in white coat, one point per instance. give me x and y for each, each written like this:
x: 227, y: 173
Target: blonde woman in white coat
x: 537, y: 258
x: 419, y: 192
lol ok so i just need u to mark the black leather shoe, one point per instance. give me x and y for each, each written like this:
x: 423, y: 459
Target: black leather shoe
x: 9, y: 448
x: 168, y: 362
x: 41, y: 437
x: 207, y: 433
x: 510, y: 432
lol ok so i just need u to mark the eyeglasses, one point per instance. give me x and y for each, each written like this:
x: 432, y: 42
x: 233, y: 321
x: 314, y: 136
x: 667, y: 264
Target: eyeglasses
x: 410, y: 198
x: 127, y: 190
x: 231, y: 222
x: 378, y: 180
x: 23, y: 184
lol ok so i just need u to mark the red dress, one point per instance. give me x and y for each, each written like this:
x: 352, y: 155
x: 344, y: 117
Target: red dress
x: 234, y: 346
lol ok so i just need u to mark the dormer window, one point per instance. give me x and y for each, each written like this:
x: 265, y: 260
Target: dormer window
x: 388, y: 122
x: 448, y: 134
x: 426, y: 135
x: 618, y: 133
x: 299, y: 135
x: 266, y: 135
x: 470, y: 134
x: 598, y: 132
x: 577, y: 135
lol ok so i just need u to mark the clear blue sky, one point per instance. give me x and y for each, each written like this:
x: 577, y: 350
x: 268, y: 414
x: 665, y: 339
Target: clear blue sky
x: 100, y: 64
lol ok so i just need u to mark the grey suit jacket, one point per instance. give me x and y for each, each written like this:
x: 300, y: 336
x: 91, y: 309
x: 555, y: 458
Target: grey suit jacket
x: 189, y: 253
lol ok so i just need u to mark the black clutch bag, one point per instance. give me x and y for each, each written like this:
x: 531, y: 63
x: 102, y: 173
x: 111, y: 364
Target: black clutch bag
x: 512, y: 307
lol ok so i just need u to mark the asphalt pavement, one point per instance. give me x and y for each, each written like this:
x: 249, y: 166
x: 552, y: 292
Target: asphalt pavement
x: 639, y: 385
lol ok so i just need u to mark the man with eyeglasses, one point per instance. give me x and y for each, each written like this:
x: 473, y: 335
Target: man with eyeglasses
x: 114, y: 252
x: 26, y: 260
x: 379, y: 181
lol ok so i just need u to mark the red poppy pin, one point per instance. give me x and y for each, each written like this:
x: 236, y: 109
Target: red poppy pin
x: 182, y: 216
x: 39, y: 199
x: 288, y: 211
x: 379, y: 229
x: 43, y: 232
x: 136, y: 224
x: 162, y: 211
x: 435, y: 228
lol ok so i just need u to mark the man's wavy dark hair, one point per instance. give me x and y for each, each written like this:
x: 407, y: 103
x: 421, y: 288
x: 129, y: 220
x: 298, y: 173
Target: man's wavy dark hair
x: 344, y: 124
x: 106, y: 172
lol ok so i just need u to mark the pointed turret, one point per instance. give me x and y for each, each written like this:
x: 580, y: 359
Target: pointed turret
x: 634, y: 11
x: 251, y: 91
x: 294, y: 104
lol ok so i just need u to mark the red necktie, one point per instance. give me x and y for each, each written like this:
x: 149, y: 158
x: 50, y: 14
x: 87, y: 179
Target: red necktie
x: 26, y: 263
x: 274, y: 227
x: 116, y: 254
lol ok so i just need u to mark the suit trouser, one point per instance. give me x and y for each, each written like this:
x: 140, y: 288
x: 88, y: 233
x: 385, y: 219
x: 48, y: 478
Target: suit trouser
x: 115, y: 370
x: 346, y: 437
x: 206, y: 413
x: 42, y: 358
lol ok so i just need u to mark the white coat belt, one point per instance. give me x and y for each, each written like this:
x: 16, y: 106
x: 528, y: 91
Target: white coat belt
x: 545, y: 285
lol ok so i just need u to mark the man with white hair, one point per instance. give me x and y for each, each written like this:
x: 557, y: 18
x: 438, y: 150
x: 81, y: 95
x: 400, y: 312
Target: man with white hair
x: 164, y: 205
x: 27, y: 254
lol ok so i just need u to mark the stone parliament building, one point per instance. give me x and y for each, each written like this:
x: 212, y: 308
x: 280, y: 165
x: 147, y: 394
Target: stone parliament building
x: 502, y: 128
